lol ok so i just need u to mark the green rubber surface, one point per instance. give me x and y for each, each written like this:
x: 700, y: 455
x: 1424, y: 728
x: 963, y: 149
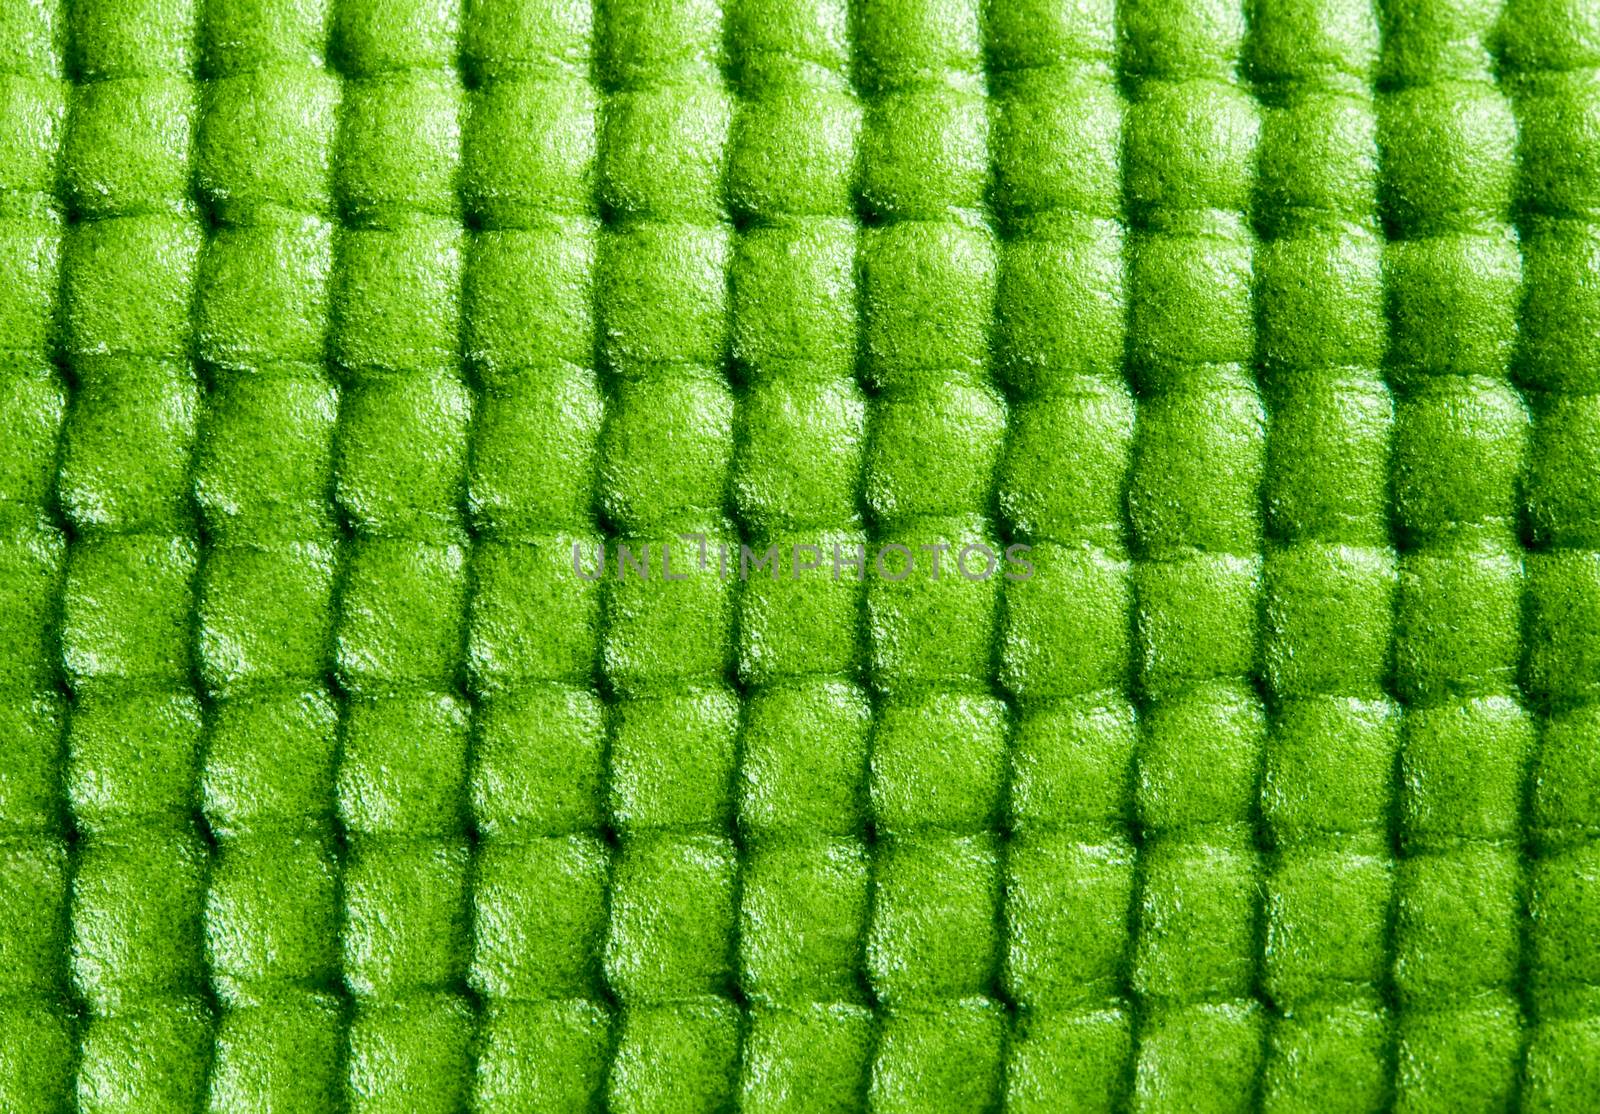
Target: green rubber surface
x: 330, y: 328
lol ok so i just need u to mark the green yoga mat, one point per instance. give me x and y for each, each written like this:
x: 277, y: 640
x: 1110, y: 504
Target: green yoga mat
x: 908, y: 556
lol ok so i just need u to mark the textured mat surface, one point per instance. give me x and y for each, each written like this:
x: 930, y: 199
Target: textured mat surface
x: 329, y: 326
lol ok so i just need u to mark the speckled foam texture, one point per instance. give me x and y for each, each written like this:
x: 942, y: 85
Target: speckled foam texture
x: 329, y: 326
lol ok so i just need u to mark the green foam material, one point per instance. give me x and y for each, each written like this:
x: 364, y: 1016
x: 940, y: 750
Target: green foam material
x: 33, y: 564
x: 127, y: 285
x: 1066, y: 907
x: 1328, y: 619
x: 1437, y: 432
x: 924, y: 629
x: 1319, y: 300
x: 1458, y: 613
x: 1329, y: 767
x: 539, y: 763
x: 938, y: 762
x: 1559, y: 1071
x: 1323, y: 422
x: 150, y: 1056
x: 1189, y: 145
x: 405, y: 916
x: 272, y: 915
x: 700, y: 1039
x: 1455, y: 921
x: 663, y: 295
x: 1200, y: 456
x: 804, y: 765
x: 909, y: 268
x: 131, y: 760
x: 36, y: 896
x: 551, y: 123
x: 264, y: 615
x: 1450, y: 304
x: 126, y: 609
x: 1093, y: 428
x: 1198, y: 619
x: 1205, y: 1057
x: 377, y: 36
x: 398, y: 147
x: 1199, y: 759
x: 1056, y: 140
x: 1563, y: 594
x: 1326, y: 917
x: 533, y: 451
x: 944, y: 1059
x: 1061, y: 304
x: 127, y: 147
x: 672, y: 760
x: 1565, y: 779
x: 1332, y: 1058
x: 672, y: 923
x: 241, y: 35
x: 281, y: 1050
x: 1318, y: 152
x: 803, y: 908
x: 148, y: 37
x: 923, y: 153
x: 791, y: 152
x: 270, y: 763
x: 263, y: 470
x: 1267, y: 327
x: 662, y: 634
x: 1066, y: 627
x: 1189, y: 295
x: 542, y: 1056
x: 1069, y: 1059
x: 1557, y: 145
x: 538, y: 919
x: 792, y: 297
x: 410, y: 1054
x: 507, y: 38
x: 956, y: 426
x: 396, y: 298
x: 136, y: 922
x: 1469, y: 135
x: 125, y: 449
x: 400, y: 613
x: 664, y: 452
x: 1195, y: 930
x: 37, y: 1072
x: 779, y: 422
x: 529, y: 297
x: 933, y: 934
x: 662, y: 153
x: 1073, y: 764
x: 1561, y: 492
x: 1481, y: 1038
x: 1462, y: 769
x: 265, y: 143
x: 29, y: 308
x: 810, y: 1059
x: 1562, y: 908
x: 262, y: 294
x: 402, y: 763
x: 401, y: 455
x: 514, y: 635
x: 29, y: 778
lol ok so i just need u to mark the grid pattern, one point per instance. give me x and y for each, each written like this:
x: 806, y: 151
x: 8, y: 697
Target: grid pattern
x: 338, y: 337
